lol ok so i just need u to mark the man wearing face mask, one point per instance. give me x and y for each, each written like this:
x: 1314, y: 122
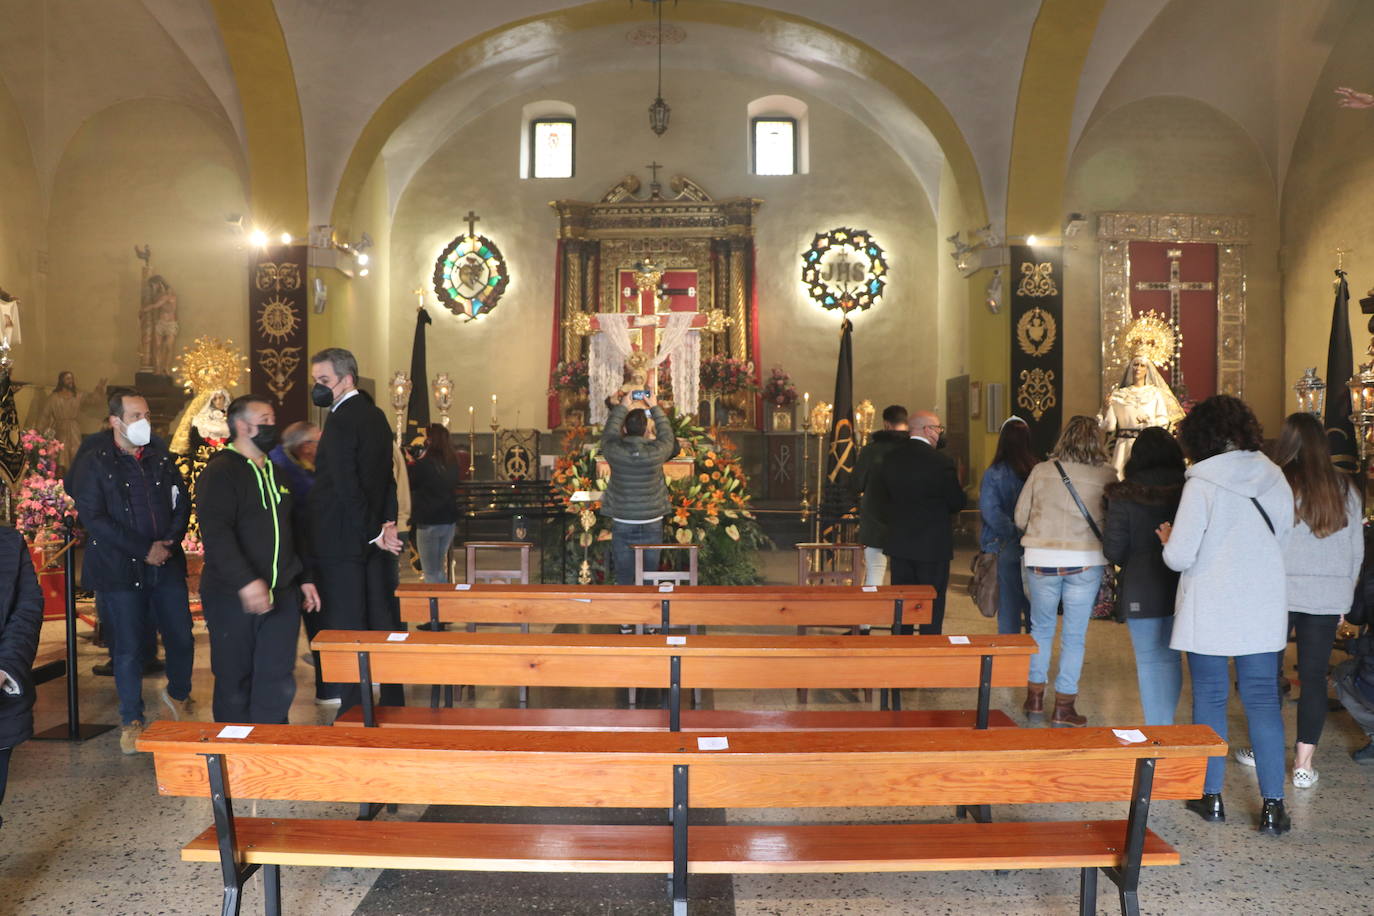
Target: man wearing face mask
x: 353, y: 537
x: 917, y: 492
x: 132, y: 501
x: 255, y: 586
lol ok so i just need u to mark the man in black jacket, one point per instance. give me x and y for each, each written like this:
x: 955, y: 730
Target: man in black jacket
x: 917, y: 491
x: 21, y: 617
x: 254, y: 586
x: 133, y: 503
x: 893, y: 434
x: 353, y: 510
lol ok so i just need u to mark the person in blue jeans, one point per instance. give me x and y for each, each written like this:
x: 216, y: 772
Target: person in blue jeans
x: 1062, y: 521
x: 1227, y: 542
x: 132, y: 501
x: 636, y: 496
x: 1136, y: 507
x: 997, y: 495
x: 434, y: 479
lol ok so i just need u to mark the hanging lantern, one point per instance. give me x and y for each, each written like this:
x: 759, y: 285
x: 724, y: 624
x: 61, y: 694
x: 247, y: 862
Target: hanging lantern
x: 1311, y: 391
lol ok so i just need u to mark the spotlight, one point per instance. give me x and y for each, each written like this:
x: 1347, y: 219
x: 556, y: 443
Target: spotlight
x: 286, y: 238
x: 1032, y: 240
x: 362, y: 258
x: 258, y: 238
x: 363, y: 272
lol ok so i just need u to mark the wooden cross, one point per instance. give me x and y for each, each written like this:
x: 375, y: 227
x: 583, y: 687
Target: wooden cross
x: 472, y: 219
x: 1175, y: 287
x: 654, y: 167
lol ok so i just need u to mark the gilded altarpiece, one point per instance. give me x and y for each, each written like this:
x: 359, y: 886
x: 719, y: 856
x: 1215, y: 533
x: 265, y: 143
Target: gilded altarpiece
x: 1229, y: 235
x: 686, y: 234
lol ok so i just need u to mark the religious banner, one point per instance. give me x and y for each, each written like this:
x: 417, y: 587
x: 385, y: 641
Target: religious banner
x: 417, y: 410
x: 842, y: 450
x: 1037, y: 351
x: 277, y: 345
x: 1340, y: 366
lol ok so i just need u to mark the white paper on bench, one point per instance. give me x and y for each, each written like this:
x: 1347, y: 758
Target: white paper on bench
x: 1129, y: 735
x: 462, y: 587
x: 396, y: 637
x: 666, y: 588
x: 870, y: 588
x: 235, y: 731
x: 583, y: 600
x: 713, y: 744
x: 677, y: 640
x: 958, y: 640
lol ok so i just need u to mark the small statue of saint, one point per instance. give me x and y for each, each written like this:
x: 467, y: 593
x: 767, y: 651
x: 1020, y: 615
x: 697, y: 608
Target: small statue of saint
x: 637, y: 372
x: 1142, y: 399
x: 61, y: 418
x: 157, y: 319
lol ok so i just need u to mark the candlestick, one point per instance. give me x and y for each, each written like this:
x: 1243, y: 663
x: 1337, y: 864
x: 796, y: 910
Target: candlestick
x: 443, y: 396
x: 472, y: 442
x: 493, y: 411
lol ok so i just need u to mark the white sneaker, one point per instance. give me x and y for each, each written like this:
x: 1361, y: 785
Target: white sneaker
x: 1304, y: 779
x: 1245, y: 756
x: 182, y: 710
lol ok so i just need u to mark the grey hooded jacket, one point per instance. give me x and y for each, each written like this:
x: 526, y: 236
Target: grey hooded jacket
x: 1232, y: 594
x: 636, y: 491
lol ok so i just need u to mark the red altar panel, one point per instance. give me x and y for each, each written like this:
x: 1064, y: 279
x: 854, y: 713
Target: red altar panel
x: 1197, y: 308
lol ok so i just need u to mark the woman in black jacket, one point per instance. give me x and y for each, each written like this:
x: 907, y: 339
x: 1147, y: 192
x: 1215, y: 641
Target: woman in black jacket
x: 1147, y: 498
x: 21, y: 617
x: 433, y: 504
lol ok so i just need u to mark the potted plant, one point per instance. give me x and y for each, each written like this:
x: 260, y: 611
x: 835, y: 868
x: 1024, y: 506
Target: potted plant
x: 725, y: 378
x: 569, y: 382
x: 781, y: 396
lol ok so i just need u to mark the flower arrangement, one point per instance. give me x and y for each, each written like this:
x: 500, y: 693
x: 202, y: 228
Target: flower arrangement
x: 569, y: 376
x: 726, y: 375
x: 40, y: 452
x: 192, y: 545
x: 710, y: 508
x: 778, y: 390
x: 42, y: 506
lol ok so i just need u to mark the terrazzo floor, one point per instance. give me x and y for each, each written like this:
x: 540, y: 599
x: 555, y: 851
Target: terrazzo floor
x: 85, y: 832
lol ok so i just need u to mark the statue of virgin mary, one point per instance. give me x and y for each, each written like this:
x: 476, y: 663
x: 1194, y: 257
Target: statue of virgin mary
x: 1143, y: 398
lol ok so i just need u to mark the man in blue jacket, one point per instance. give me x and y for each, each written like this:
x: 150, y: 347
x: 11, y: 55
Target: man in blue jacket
x: 132, y: 501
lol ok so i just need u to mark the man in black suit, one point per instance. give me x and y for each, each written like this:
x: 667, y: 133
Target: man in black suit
x: 917, y: 491
x: 353, y: 511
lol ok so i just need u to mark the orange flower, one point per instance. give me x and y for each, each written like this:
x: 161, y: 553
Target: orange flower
x: 715, y: 475
x: 703, y: 477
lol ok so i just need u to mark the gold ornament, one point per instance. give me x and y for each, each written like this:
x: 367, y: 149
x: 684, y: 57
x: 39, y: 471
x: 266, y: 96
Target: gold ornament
x: 580, y: 323
x: 1037, y: 391
x: 717, y: 321
x: 278, y: 320
x: 1151, y: 336
x: 1037, y: 280
x: 209, y: 364
x: 1036, y: 332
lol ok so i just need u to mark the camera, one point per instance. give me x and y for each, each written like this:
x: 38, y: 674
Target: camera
x: 641, y: 394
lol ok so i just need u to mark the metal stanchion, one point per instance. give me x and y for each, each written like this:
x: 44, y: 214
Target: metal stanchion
x: 75, y: 729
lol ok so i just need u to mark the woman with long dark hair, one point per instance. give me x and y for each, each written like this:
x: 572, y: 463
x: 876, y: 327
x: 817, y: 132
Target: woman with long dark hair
x: 1136, y: 506
x: 434, y: 507
x: 997, y: 495
x: 1227, y: 542
x: 1322, y: 556
x: 1060, y: 511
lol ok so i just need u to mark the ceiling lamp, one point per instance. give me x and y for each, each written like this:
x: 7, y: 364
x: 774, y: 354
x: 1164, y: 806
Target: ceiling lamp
x: 659, y: 110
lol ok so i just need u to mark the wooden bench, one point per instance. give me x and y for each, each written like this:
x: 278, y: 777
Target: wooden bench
x: 699, y: 662
x: 671, y: 771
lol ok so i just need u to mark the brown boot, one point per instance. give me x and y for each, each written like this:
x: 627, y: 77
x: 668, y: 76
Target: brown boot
x: 1065, y: 716
x: 1035, y: 701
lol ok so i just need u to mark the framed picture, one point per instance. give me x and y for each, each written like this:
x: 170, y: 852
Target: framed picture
x: 975, y: 400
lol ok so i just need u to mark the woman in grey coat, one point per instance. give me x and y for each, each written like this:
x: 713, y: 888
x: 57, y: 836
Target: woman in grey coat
x: 1322, y: 556
x: 1227, y: 541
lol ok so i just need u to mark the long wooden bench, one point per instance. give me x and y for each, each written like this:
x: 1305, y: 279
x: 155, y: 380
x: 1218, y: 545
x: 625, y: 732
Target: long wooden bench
x: 674, y: 664
x: 680, y: 773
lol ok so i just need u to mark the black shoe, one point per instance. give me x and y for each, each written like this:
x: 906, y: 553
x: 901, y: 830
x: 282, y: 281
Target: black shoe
x: 156, y: 666
x: 1364, y: 754
x: 1273, y: 819
x: 1209, y: 807
x: 104, y: 669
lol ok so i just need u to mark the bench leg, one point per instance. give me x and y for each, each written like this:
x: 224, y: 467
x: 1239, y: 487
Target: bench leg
x: 271, y: 890
x: 233, y: 897
x: 1130, y: 903
x: 1087, y: 892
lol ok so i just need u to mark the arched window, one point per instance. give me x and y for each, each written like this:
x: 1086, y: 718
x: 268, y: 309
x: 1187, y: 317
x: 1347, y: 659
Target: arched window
x: 548, y: 140
x: 779, y: 134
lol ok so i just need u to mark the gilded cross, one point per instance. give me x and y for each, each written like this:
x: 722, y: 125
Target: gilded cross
x: 654, y: 167
x: 1175, y: 287
x: 472, y: 219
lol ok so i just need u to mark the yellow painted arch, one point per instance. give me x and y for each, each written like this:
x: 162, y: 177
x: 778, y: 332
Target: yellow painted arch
x: 866, y: 61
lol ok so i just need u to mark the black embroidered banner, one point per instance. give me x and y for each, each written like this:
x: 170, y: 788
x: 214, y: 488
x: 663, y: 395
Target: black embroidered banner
x: 278, y: 349
x: 1037, y: 351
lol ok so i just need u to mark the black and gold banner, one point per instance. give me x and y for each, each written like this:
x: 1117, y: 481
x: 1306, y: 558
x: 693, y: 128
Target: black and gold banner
x: 1037, y: 346
x: 278, y: 350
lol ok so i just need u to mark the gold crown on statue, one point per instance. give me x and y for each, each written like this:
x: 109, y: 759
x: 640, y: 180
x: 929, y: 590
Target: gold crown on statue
x: 1150, y: 335
x: 209, y: 364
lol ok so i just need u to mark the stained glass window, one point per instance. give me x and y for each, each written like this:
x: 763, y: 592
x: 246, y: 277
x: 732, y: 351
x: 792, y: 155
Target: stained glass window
x: 775, y: 146
x: 551, y: 146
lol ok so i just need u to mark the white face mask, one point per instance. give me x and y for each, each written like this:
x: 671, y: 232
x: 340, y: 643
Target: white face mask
x: 139, y: 432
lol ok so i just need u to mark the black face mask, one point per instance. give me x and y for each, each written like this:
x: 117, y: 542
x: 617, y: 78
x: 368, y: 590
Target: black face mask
x: 321, y: 396
x: 266, y: 437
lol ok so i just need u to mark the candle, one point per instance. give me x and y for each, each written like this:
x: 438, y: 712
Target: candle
x: 472, y: 419
x: 493, y: 410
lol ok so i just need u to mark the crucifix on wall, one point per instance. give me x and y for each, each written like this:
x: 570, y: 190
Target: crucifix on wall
x: 1192, y: 309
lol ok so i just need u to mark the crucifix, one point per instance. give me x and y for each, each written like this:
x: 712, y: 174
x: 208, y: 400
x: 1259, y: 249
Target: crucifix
x: 473, y: 219
x: 1175, y: 286
x: 654, y: 187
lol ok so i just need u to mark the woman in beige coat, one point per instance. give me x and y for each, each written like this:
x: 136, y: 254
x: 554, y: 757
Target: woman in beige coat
x: 1064, y: 561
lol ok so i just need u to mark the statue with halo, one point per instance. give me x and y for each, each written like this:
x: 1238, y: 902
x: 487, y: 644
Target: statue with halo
x: 1143, y: 398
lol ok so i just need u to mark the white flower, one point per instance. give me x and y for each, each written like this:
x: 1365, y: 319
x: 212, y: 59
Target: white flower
x: 732, y: 532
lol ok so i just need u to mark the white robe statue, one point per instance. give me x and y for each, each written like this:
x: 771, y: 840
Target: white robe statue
x: 611, y: 349
x: 1143, y: 399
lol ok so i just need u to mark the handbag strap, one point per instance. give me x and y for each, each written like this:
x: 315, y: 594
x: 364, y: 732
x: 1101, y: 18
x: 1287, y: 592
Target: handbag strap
x: 1092, y: 523
x: 1264, y: 515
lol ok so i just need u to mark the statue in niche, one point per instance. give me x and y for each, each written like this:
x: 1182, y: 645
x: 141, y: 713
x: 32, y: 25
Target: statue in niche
x: 157, y: 319
x: 62, y: 415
